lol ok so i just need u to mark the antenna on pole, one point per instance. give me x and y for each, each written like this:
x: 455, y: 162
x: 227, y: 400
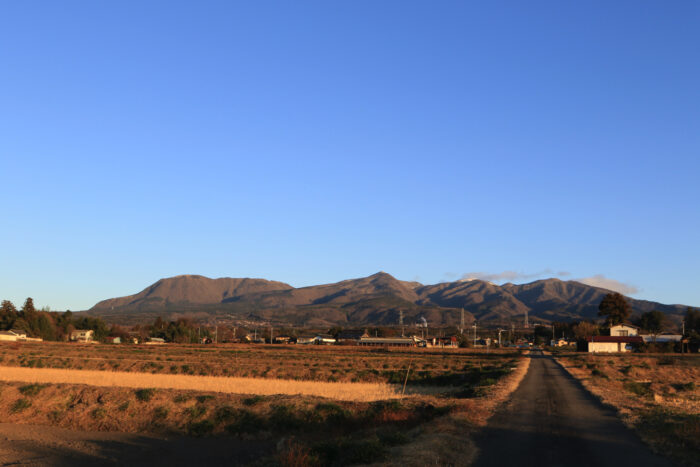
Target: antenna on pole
x: 461, y: 323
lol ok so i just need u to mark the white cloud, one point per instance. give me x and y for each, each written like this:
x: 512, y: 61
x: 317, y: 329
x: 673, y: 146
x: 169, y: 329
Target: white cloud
x: 601, y: 281
x: 511, y: 275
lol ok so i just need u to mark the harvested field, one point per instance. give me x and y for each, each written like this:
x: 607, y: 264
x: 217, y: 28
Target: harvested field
x: 348, y: 364
x: 657, y: 395
x: 343, y: 391
x: 331, y: 405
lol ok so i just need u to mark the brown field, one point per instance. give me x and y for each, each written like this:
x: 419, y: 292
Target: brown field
x: 288, y: 362
x: 342, y: 391
x: 325, y: 402
x: 657, y: 395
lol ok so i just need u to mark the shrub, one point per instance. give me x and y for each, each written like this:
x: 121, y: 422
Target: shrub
x: 145, y: 395
x: 246, y: 422
x: 31, y: 390
x: 180, y: 398
x: 598, y: 373
x: 203, y: 398
x: 20, y: 404
x: 690, y: 386
x: 98, y: 413
x: 199, y: 429
x: 195, y: 411
x: 123, y: 406
x: 160, y: 413
x: 640, y: 389
x: 296, y: 455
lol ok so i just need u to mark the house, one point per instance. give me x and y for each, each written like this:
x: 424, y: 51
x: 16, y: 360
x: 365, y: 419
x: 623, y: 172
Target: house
x: 82, y: 335
x: 155, y: 341
x: 389, y: 341
x: 305, y: 340
x: 114, y: 340
x: 561, y: 342
x: 282, y: 339
x: 351, y: 336
x: 598, y: 344
x: 623, y: 330
x: 324, y: 339
x: 10, y: 336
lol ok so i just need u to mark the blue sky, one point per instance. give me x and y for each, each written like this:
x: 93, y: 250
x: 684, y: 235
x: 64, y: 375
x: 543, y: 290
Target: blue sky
x: 310, y: 142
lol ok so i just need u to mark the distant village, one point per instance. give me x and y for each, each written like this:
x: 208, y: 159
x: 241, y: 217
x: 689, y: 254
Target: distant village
x: 616, y: 335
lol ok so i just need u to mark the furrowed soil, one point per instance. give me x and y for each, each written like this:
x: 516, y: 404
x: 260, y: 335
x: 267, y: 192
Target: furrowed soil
x: 658, y: 395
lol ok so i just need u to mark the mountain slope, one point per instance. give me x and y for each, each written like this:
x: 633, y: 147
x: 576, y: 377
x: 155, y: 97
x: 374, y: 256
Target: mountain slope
x: 376, y: 299
x: 190, y: 289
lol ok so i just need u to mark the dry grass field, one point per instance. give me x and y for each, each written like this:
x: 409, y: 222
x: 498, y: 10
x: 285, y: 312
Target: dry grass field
x: 320, y: 405
x: 658, y: 395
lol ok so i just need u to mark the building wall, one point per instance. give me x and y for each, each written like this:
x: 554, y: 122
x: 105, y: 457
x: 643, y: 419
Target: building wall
x: 595, y: 347
x: 8, y: 338
x: 616, y: 330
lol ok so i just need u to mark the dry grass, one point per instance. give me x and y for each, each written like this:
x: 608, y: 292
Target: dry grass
x: 446, y: 440
x: 310, y: 363
x: 342, y: 391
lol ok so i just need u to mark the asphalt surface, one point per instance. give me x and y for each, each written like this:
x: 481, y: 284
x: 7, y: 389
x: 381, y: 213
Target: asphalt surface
x: 551, y: 420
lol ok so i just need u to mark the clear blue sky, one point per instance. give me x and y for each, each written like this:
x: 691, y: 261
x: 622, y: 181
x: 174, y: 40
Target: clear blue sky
x: 310, y: 142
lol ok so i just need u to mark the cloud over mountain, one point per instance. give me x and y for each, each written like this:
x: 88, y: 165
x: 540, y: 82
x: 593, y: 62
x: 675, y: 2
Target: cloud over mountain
x: 603, y: 282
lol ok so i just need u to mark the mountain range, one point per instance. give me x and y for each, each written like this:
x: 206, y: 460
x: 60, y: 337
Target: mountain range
x: 379, y: 299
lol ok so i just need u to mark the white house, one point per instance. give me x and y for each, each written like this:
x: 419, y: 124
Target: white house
x: 624, y: 330
x: 613, y: 343
x: 11, y: 336
x: 82, y: 335
x: 306, y: 339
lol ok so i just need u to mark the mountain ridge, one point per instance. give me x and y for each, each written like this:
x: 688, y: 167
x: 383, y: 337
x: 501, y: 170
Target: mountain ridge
x: 376, y: 299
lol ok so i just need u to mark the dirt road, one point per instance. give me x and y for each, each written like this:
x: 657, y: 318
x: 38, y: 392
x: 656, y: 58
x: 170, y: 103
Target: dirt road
x: 50, y: 446
x: 552, y: 420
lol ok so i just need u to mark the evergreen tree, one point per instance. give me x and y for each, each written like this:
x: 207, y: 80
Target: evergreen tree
x: 615, y: 309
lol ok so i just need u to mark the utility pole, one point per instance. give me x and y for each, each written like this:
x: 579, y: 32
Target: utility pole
x: 271, y: 336
x: 527, y: 325
x: 461, y: 323
x: 216, y: 333
x: 552, y: 331
x: 499, y: 338
x: 401, y: 322
x: 474, y: 326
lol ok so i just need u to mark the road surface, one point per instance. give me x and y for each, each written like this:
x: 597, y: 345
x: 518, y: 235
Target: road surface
x: 552, y: 420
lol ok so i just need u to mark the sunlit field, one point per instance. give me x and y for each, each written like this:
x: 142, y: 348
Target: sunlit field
x: 341, y: 405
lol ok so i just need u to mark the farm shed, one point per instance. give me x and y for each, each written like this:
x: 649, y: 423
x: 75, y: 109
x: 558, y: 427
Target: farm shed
x: 351, y: 335
x: 10, y: 336
x: 388, y: 341
x: 82, y: 335
x: 306, y: 339
x: 613, y: 343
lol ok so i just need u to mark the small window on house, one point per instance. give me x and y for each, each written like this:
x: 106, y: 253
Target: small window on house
x: 622, y: 333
